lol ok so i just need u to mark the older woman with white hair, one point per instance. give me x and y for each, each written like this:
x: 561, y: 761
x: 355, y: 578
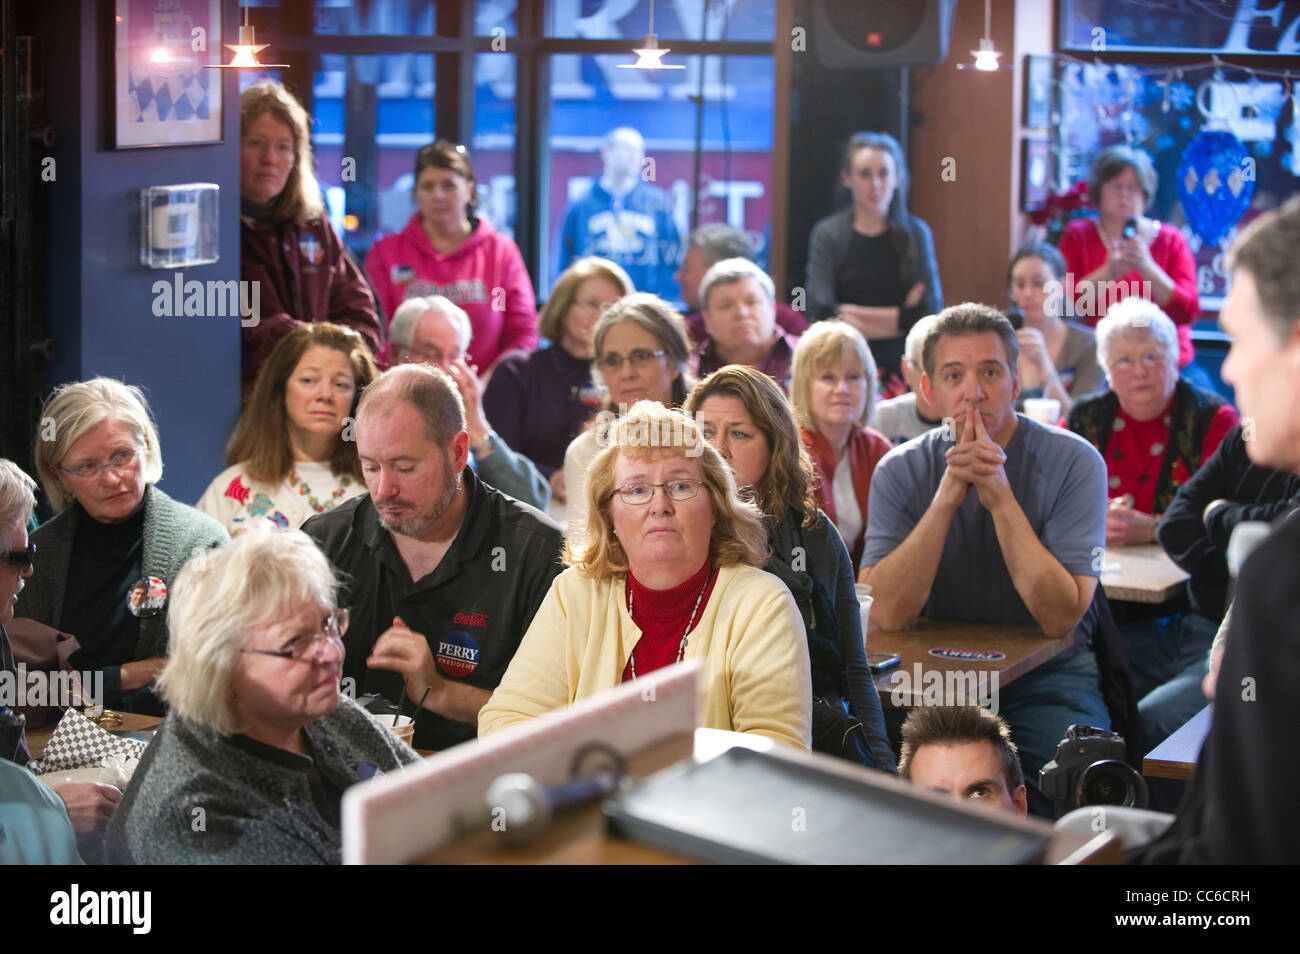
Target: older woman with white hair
x: 738, y: 305
x: 259, y: 745
x: 98, y: 457
x: 1153, y: 428
x: 668, y: 569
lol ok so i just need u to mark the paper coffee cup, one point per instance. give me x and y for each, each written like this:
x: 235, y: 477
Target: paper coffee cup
x: 1043, y: 410
x: 403, y: 729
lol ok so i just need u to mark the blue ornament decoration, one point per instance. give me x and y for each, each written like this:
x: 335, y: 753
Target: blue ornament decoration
x: 1216, y: 180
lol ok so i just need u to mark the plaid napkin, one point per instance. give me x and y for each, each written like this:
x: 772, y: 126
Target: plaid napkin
x: 79, y: 743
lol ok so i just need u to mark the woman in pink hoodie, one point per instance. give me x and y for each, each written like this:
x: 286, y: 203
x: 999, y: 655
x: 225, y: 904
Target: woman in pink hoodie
x: 445, y: 250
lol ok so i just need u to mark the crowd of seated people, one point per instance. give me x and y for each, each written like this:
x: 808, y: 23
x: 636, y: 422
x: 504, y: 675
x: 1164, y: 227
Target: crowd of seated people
x: 482, y: 532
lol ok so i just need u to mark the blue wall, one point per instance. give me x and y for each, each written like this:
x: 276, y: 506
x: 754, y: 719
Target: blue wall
x: 99, y: 298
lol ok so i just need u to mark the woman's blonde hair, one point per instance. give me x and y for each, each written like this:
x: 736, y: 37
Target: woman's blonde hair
x: 651, y: 430
x: 301, y: 200
x: 551, y: 323
x: 76, y: 409
x: 823, y: 346
x: 217, y: 601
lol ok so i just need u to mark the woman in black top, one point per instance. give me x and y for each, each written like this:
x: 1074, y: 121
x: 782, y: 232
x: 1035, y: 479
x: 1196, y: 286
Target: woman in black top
x: 873, y: 263
x: 744, y: 414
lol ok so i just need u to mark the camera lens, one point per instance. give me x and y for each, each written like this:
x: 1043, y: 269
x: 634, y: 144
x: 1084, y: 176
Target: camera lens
x: 1111, y: 782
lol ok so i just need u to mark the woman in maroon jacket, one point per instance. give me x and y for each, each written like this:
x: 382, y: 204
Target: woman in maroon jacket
x: 287, y: 247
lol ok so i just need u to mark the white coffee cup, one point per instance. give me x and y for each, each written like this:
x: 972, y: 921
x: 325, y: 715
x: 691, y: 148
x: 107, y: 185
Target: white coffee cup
x: 864, y: 606
x: 1043, y: 410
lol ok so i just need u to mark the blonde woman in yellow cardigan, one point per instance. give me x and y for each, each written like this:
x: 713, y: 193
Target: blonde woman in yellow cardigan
x: 668, y: 569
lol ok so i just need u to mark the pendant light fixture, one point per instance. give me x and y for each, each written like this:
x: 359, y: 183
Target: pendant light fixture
x: 246, y: 51
x: 986, y: 57
x: 649, y: 56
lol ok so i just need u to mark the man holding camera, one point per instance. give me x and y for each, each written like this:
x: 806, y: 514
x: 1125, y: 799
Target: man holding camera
x: 994, y: 518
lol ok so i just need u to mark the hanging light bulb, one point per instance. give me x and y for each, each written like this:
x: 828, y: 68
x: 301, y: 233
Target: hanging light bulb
x: 650, y: 56
x: 246, y: 51
x: 986, y: 57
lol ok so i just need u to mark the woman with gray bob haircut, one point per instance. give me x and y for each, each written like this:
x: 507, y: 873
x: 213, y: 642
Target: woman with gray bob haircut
x: 259, y: 736
x: 98, y: 457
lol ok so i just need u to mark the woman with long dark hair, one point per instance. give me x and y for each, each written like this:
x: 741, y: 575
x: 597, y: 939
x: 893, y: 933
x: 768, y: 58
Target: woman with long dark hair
x: 743, y: 413
x: 872, y: 263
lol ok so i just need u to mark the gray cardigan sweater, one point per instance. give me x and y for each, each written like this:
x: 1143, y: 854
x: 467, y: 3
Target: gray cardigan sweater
x: 198, y: 797
x: 173, y: 532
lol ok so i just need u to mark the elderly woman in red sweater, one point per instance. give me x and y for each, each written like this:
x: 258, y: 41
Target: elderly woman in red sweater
x: 1121, y: 252
x: 832, y: 389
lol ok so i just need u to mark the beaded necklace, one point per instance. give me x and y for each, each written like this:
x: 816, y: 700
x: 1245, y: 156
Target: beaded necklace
x: 681, y: 647
x: 305, y: 491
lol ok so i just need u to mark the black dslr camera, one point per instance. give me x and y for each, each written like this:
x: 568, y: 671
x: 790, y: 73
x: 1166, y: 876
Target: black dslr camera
x: 1089, y: 769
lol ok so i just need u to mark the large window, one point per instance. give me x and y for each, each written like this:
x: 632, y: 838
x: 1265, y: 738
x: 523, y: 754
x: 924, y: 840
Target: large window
x: 388, y: 76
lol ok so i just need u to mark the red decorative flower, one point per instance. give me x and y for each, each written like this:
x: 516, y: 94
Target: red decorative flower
x: 238, y: 490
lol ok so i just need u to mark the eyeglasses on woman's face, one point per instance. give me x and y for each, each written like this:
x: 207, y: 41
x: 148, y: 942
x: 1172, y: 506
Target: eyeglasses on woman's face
x: 642, y: 493
x: 122, y: 460
x: 305, y: 646
x: 20, y: 560
x: 638, y: 359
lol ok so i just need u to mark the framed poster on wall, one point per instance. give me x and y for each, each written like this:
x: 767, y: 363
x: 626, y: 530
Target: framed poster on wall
x: 163, y: 93
x: 1038, y: 91
x: 1035, y: 172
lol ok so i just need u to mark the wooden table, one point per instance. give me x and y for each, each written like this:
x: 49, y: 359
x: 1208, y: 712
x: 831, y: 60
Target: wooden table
x: 1176, y: 756
x: 37, y: 738
x: 1022, y: 648
x: 1142, y: 574
x: 580, y: 837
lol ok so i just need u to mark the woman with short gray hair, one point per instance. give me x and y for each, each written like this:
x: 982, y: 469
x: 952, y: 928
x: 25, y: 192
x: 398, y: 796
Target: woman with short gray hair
x: 1153, y: 428
x: 98, y: 457
x: 259, y: 744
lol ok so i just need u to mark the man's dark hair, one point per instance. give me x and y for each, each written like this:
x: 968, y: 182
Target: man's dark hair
x: 1267, y: 249
x: 960, y: 725
x: 718, y: 241
x: 965, y: 319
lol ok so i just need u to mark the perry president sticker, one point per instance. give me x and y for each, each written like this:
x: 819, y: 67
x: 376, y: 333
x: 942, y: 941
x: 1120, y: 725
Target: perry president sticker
x: 976, y: 654
x: 457, y: 654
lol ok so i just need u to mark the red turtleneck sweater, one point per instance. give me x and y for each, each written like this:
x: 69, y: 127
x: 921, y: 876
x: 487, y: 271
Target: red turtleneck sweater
x: 662, y: 617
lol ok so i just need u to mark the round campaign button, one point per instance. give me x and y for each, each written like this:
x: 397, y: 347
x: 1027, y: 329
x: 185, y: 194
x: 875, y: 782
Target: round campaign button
x: 457, y: 653
x: 977, y: 654
x: 147, y: 597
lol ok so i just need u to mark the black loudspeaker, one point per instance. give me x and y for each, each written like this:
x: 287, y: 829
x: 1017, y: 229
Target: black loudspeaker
x: 881, y: 33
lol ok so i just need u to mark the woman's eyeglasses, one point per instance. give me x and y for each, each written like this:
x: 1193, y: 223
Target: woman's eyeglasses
x: 637, y: 494
x: 20, y: 560
x: 638, y: 359
x: 304, y: 647
x: 119, y: 461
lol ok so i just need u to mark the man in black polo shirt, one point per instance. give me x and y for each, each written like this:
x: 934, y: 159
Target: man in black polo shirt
x: 442, y: 573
